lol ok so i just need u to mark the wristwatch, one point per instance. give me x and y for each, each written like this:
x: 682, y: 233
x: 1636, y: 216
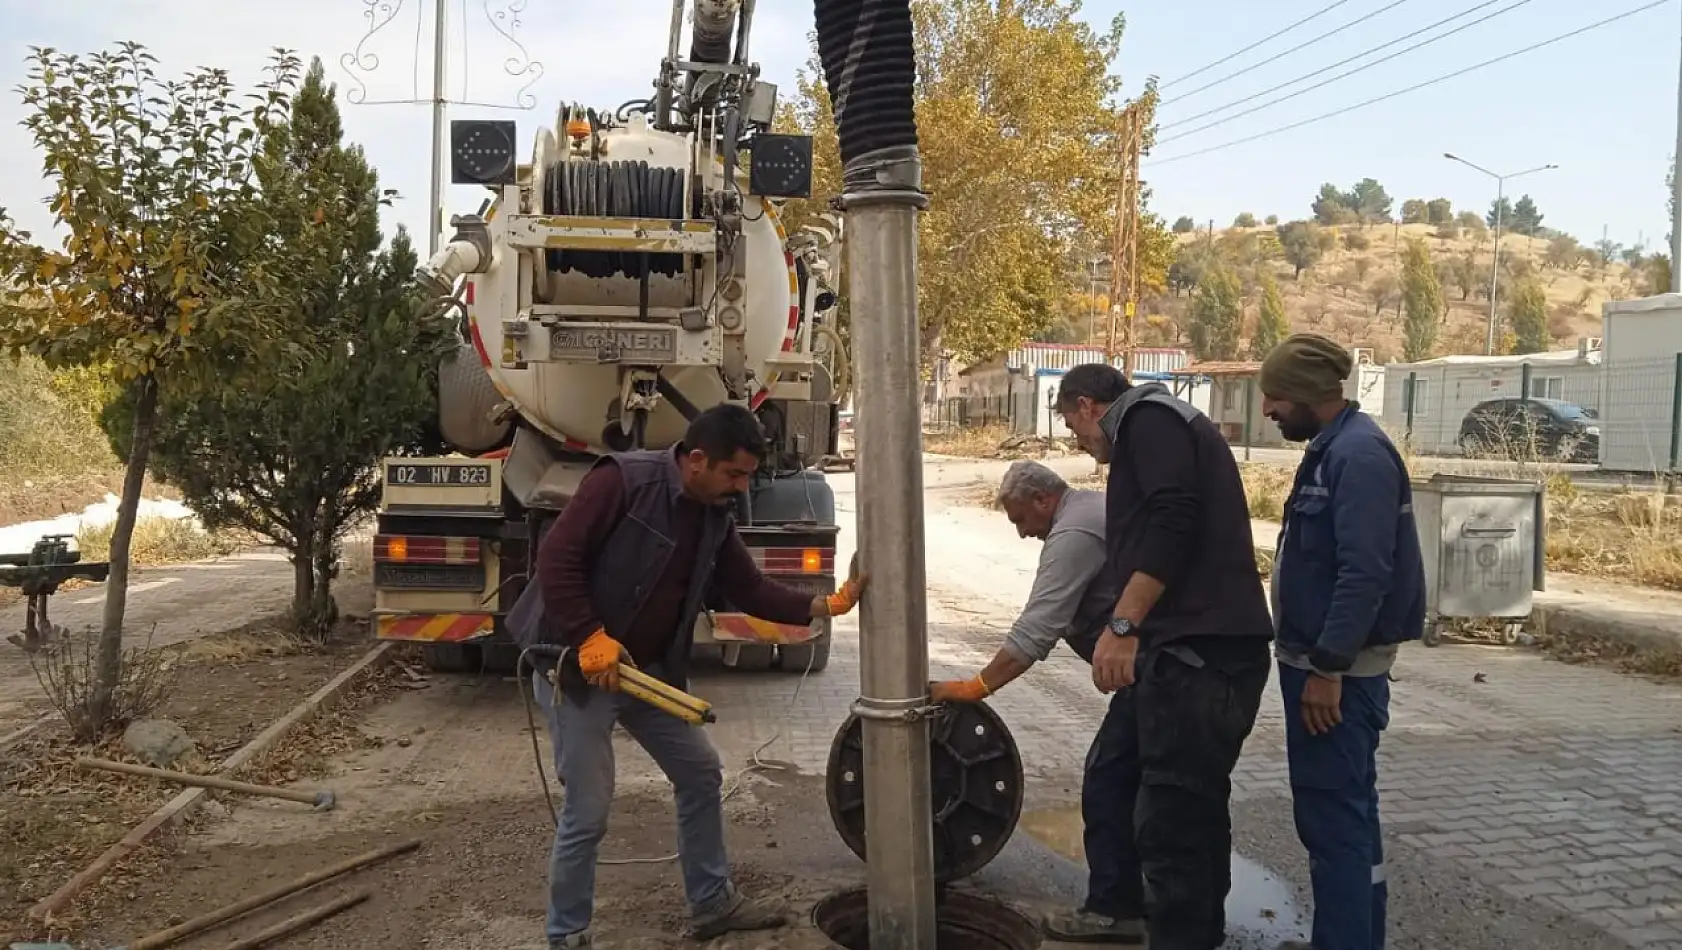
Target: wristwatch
x: 1120, y: 626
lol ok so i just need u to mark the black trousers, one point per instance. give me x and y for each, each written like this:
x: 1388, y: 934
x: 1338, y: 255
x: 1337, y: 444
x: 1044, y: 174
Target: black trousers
x: 1158, y: 787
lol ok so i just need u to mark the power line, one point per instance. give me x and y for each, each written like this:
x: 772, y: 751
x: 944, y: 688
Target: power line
x: 1264, y: 40
x: 1414, y: 88
x: 1279, y: 56
x: 1343, y: 75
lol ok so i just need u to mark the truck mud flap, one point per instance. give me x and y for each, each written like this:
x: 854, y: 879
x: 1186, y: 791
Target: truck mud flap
x: 435, y: 628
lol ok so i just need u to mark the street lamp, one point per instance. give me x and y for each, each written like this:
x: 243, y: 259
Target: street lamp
x: 1495, y: 266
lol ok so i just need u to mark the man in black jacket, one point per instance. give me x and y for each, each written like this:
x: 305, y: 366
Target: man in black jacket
x: 1186, y: 655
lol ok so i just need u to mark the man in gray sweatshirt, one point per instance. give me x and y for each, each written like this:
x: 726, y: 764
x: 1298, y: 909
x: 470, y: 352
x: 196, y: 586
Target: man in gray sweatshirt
x: 1065, y: 603
x: 1072, y: 600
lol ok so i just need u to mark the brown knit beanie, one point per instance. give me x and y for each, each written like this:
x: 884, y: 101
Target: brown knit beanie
x: 1306, y: 368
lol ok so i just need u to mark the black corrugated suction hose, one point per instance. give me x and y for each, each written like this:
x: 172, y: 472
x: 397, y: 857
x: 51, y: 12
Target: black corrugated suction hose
x: 870, y: 67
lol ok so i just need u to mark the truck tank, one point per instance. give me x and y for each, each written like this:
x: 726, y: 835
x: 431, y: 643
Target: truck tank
x: 631, y: 274
x: 577, y: 404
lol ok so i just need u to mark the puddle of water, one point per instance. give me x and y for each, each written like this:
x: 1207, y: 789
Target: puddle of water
x: 1260, y: 904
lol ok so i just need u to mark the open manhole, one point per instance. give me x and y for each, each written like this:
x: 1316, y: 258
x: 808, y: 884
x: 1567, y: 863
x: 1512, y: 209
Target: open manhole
x: 962, y: 922
x: 975, y: 775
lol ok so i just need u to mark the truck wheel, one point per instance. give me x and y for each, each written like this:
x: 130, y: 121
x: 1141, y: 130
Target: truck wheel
x: 451, y: 658
x: 754, y: 657
x: 811, y: 656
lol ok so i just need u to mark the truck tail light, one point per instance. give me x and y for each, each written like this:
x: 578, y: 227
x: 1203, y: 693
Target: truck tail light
x: 415, y: 549
x: 795, y: 560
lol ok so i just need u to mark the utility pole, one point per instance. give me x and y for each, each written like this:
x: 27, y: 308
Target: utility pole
x: 1124, y: 253
x: 1676, y: 201
x: 1495, y: 267
x: 435, y: 217
x: 361, y: 63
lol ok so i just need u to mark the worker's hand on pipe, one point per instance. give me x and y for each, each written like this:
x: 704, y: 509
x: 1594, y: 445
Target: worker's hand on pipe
x: 1322, y: 704
x: 972, y: 690
x: 1113, y: 662
x: 599, y: 658
x: 844, y: 600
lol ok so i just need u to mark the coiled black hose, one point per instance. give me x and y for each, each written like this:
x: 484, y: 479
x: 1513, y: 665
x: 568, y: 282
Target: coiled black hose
x: 616, y: 190
x: 869, y: 65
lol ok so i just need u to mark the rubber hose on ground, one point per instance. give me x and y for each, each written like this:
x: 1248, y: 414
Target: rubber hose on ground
x: 870, y: 67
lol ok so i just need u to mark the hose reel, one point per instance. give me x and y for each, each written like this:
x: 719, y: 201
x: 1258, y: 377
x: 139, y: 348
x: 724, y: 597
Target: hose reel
x: 613, y: 190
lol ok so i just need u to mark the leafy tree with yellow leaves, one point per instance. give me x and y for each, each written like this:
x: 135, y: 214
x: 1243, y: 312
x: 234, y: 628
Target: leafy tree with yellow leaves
x: 155, y: 191
x: 1018, y: 125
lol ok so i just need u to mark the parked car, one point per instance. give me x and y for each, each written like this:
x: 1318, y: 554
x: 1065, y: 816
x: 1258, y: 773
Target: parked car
x: 1527, y: 429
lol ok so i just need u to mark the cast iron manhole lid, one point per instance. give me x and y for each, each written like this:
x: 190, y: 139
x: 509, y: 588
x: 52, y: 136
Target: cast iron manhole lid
x: 976, y: 785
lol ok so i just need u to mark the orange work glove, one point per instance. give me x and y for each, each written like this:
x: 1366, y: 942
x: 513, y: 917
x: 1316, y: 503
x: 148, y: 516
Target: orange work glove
x: 844, y: 600
x: 599, y: 658
x: 960, y: 691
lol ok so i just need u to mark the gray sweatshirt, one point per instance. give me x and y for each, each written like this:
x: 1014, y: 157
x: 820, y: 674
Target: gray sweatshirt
x: 1071, y: 559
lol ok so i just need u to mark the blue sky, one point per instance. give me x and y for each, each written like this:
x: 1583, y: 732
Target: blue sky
x: 1602, y: 106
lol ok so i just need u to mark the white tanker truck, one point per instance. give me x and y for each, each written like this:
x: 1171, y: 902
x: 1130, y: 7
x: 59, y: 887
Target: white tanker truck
x: 631, y: 275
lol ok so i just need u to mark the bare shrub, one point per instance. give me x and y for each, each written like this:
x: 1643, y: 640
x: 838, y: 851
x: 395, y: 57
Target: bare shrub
x: 65, y: 671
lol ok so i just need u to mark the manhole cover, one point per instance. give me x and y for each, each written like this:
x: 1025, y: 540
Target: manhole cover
x: 962, y: 922
x: 976, y: 779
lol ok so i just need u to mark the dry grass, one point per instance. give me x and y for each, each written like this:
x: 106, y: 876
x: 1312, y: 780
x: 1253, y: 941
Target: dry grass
x: 967, y: 442
x: 1633, y: 538
x: 157, y: 540
x: 47, y: 430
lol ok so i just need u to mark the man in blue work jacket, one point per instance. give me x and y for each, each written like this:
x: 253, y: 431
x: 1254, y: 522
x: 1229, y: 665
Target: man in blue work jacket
x: 1348, y: 590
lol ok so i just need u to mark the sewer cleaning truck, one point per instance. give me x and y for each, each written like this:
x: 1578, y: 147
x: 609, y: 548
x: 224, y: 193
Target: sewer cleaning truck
x: 635, y: 272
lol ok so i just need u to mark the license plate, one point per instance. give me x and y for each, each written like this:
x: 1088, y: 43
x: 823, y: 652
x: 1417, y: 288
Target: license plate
x: 407, y: 577
x: 613, y: 344
x: 427, y: 475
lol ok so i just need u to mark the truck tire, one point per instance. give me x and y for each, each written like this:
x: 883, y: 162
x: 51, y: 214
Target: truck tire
x: 811, y: 656
x: 451, y: 657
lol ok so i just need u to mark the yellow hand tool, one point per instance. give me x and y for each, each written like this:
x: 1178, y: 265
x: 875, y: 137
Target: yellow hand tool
x: 663, y: 696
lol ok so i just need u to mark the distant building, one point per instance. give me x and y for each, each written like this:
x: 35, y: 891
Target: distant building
x: 1018, y: 387
x: 1232, y: 399
x: 1640, y: 396
x: 1445, y: 389
x: 1229, y: 393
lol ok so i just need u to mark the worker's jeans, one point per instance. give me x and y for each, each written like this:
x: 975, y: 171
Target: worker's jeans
x: 1334, y: 789
x: 583, y: 741
x: 1156, y: 796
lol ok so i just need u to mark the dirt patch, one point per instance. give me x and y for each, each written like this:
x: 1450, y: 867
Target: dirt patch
x: 477, y: 883
x: 994, y: 442
x: 227, y: 688
x: 41, y: 499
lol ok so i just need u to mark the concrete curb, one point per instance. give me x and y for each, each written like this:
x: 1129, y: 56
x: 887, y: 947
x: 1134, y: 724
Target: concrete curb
x: 1569, y: 621
x: 182, y: 805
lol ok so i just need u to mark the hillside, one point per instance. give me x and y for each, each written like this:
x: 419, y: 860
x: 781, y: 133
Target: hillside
x: 1352, y: 291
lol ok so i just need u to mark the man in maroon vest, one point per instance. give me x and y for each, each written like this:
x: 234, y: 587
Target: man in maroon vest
x: 624, y: 573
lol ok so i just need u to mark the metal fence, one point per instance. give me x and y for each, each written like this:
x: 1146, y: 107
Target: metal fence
x: 1635, y: 403
x: 974, y: 412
